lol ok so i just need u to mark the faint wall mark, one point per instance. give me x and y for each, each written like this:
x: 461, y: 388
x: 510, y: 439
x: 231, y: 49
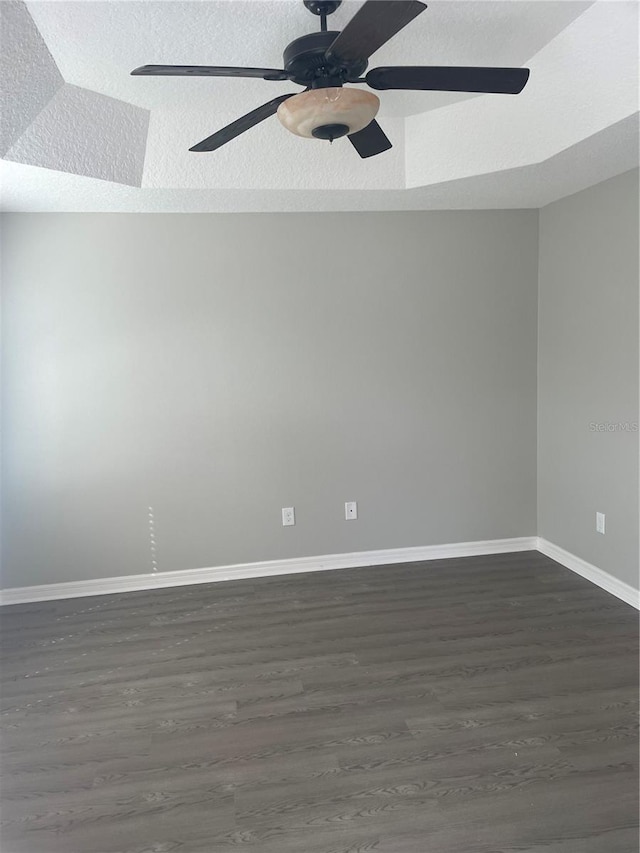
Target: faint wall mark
x: 152, y: 540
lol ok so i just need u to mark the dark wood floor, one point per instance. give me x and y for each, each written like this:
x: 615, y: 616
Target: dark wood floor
x: 480, y: 704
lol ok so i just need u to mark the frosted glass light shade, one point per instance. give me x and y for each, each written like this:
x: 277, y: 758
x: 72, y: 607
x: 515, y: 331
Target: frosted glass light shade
x: 305, y: 112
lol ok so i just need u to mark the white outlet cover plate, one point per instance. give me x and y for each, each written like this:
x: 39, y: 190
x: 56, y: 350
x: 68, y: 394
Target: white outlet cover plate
x: 288, y: 516
x: 350, y: 510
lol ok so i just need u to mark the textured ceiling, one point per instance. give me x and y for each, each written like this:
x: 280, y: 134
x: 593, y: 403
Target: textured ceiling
x: 111, y: 38
x: 77, y: 127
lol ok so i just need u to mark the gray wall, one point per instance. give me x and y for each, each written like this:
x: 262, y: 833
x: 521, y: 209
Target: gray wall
x: 588, y: 374
x: 220, y: 367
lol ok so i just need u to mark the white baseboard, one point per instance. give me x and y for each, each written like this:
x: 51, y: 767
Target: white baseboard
x: 128, y: 583
x: 600, y: 578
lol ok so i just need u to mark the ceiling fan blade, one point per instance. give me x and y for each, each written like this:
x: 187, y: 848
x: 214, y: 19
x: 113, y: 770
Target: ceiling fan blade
x: 369, y: 141
x: 508, y: 81
x: 208, y: 71
x: 373, y: 25
x: 246, y: 122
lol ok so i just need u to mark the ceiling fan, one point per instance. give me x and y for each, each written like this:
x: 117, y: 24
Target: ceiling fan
x: 324, y: 61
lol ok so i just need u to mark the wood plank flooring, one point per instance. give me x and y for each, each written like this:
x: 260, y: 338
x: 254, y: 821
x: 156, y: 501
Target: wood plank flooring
x: 477, y: 705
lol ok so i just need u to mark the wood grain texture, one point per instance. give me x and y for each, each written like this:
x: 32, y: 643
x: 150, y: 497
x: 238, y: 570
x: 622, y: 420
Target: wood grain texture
x: 477, y: 705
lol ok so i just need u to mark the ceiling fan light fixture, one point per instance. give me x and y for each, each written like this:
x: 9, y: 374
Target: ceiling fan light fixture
x: 305, y: 114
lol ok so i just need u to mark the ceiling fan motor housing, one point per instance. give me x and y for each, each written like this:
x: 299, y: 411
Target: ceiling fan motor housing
x: 306, y: 62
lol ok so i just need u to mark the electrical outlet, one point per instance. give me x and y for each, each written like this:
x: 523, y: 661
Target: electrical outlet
x: 350, y: 510
x: 600, y: 522
x: 288, y: 516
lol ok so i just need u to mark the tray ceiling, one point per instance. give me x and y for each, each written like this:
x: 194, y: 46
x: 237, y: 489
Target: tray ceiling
x: 80, y: 133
